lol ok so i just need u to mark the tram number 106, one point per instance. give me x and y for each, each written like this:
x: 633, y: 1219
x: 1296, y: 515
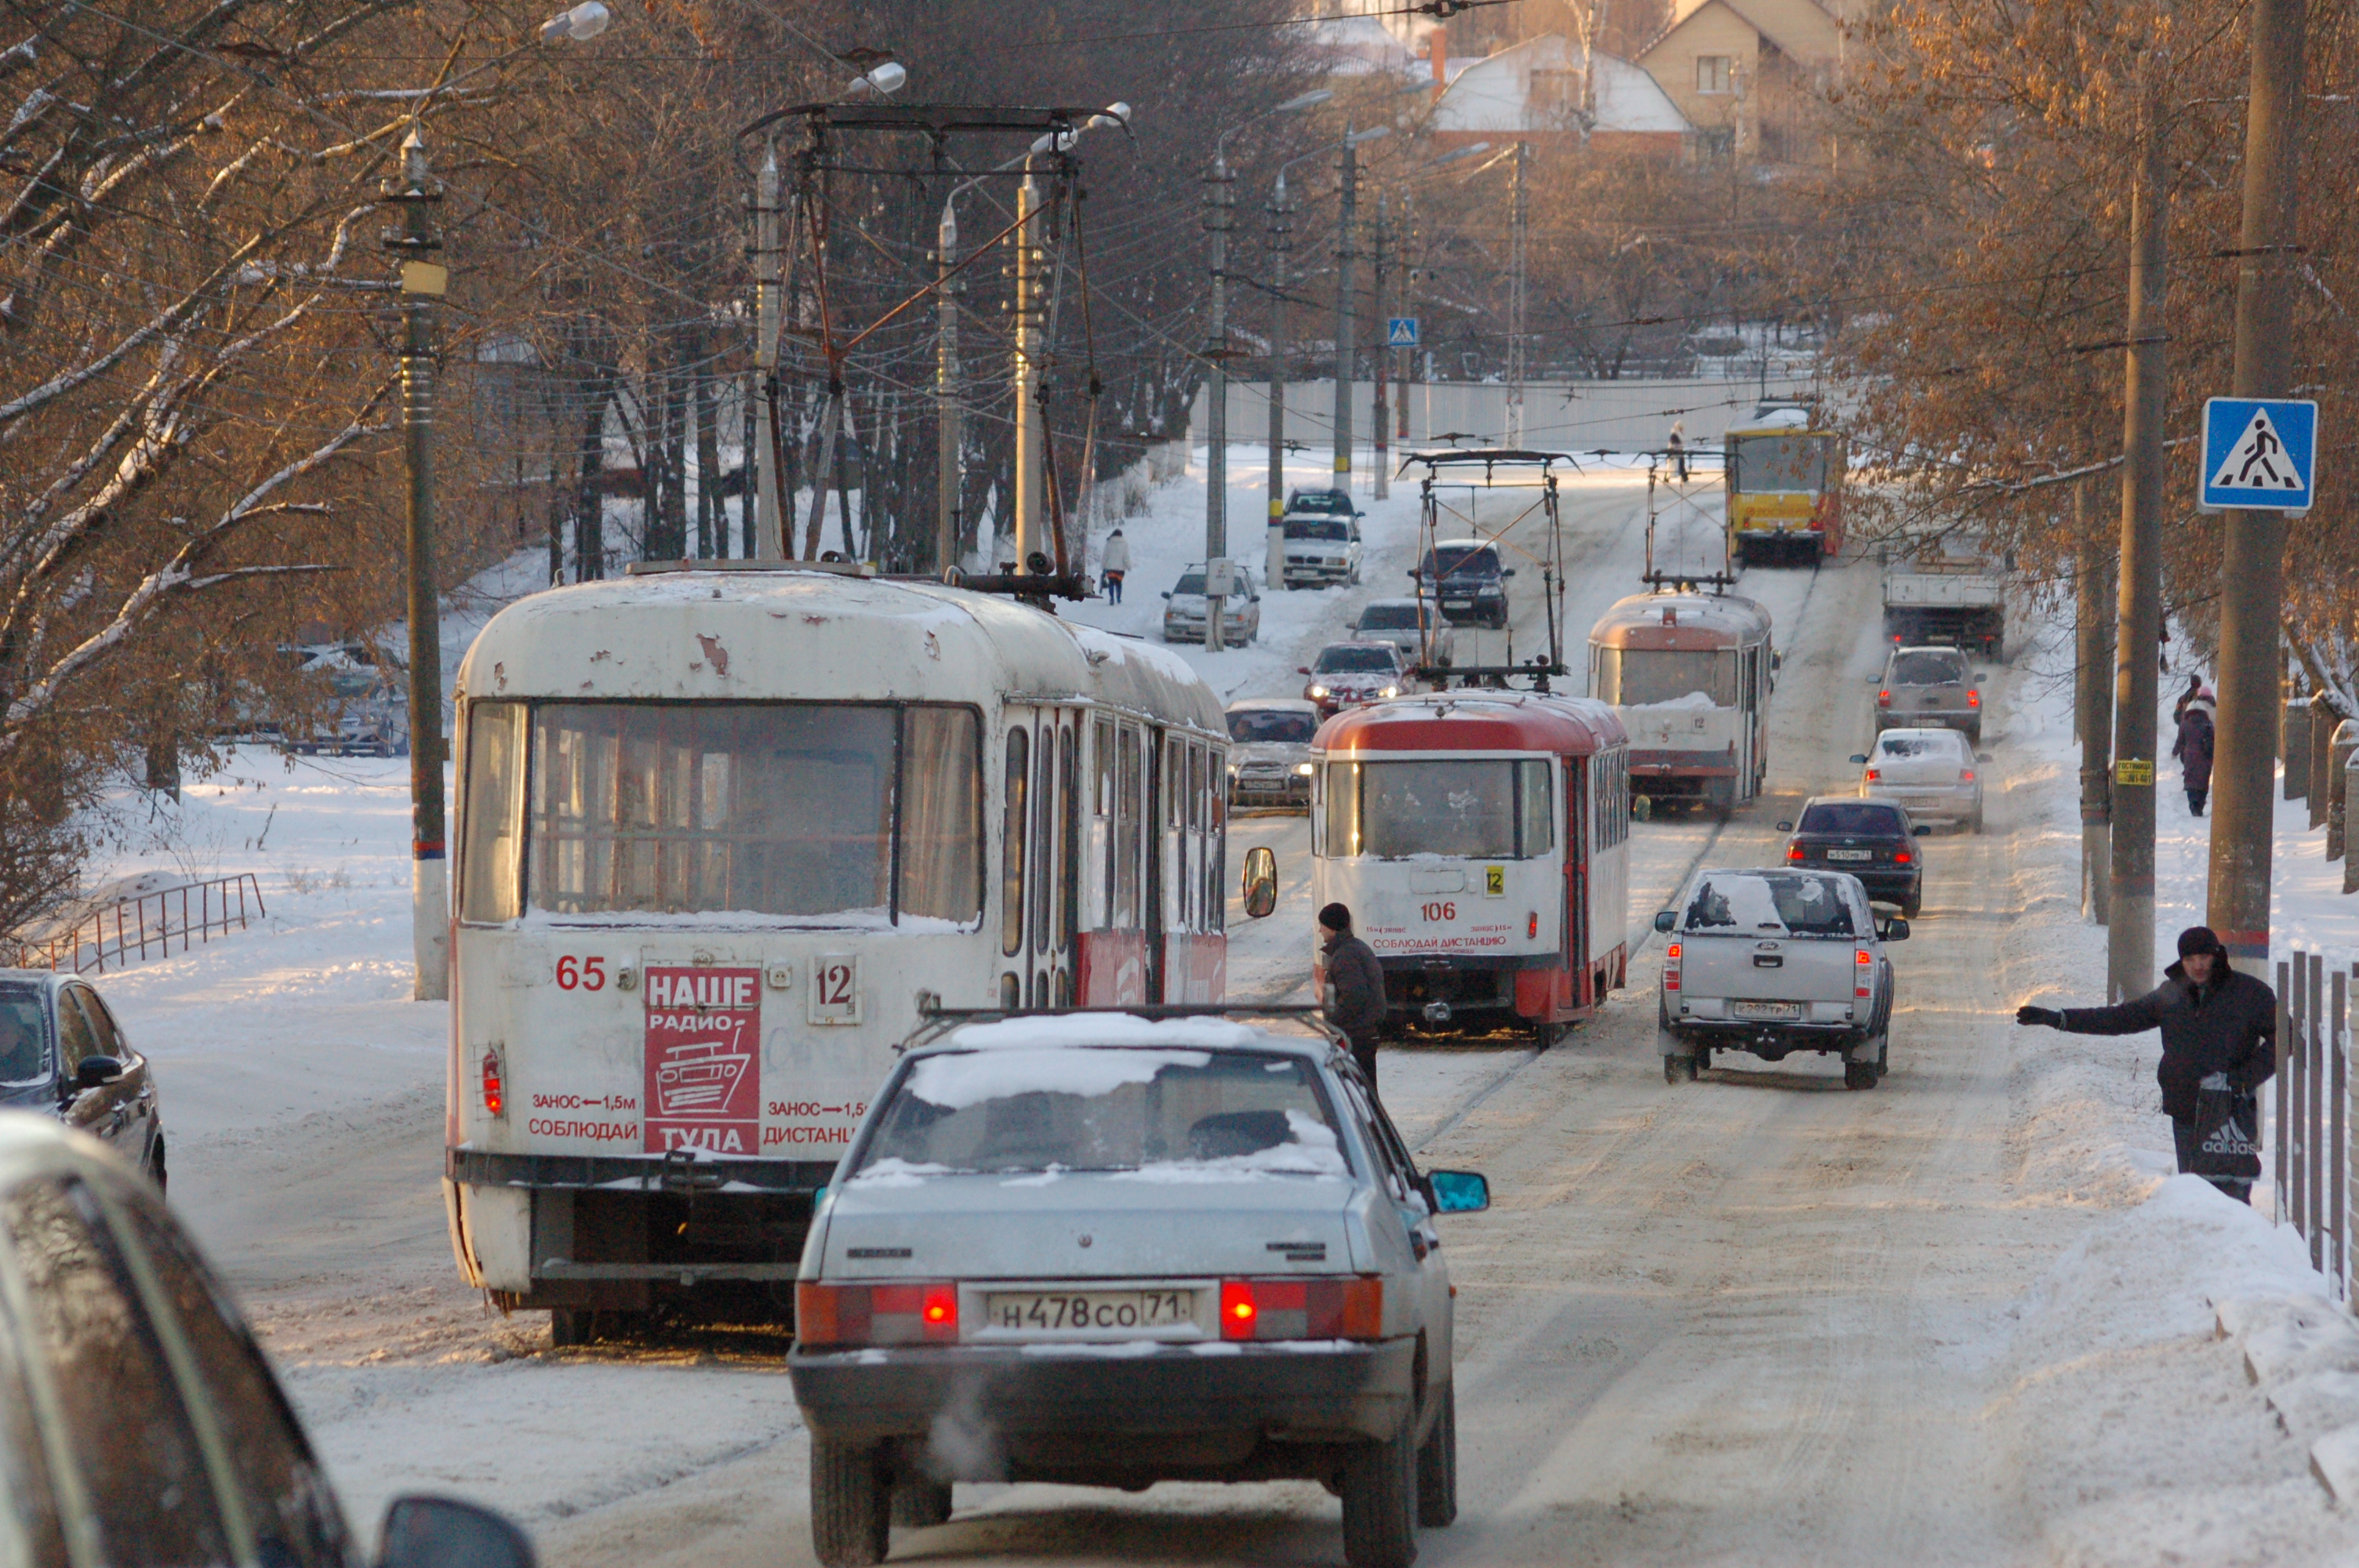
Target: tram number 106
x: 1442, y: 910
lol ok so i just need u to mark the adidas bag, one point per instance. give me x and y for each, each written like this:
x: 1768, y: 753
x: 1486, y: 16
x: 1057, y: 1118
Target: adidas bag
x: 2227, y: 1133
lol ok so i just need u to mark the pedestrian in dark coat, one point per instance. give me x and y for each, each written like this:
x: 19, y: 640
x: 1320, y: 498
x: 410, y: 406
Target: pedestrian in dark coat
x: 2213, y: 1020
x: 2194, y: 689
x: 1355, y: 987
x: 2193, y: 749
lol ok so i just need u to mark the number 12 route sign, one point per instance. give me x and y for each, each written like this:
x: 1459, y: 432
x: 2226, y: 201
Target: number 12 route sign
x: 2259, y: 453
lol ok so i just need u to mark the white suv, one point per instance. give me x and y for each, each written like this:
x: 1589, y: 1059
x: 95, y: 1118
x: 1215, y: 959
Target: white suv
x: 1322, y: 539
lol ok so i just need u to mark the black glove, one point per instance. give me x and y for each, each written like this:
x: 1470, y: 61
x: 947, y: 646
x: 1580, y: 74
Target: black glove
x: 2047, y: 1015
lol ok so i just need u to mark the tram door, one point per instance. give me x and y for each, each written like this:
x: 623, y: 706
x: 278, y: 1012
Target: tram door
x: 1038, y: 858
x: 1577, y: 867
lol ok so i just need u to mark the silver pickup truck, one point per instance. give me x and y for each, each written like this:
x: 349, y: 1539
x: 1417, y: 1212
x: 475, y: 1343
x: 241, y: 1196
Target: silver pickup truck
x: 1774, y: 962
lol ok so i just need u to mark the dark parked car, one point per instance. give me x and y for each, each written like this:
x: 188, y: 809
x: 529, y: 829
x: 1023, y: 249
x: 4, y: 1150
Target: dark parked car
x: 139, y: 1420
x: 1873, y: 839
x: 62, y: 1051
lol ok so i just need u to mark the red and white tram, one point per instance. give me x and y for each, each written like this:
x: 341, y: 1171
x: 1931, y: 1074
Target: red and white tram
x: 722, y: 833
x: 1481, y: 841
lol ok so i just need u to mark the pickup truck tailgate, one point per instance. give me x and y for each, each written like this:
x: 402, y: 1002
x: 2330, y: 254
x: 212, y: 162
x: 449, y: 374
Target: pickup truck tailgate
x: 1736, y: 967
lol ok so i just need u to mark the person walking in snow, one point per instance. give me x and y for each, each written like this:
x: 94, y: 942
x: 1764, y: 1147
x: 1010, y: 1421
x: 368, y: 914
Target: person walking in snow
x: 2194, y: 689
x: 2219, y: 1045
x: 1113, y: 560
x: 1356, y: 986
x: 2193, y: 749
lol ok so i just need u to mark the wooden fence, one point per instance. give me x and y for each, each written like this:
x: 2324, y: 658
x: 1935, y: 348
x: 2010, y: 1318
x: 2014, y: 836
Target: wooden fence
x: 2314, y: 1161
x: 131, y: 929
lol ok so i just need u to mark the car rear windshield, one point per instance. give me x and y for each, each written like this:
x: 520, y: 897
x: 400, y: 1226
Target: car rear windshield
x: 1927, y: 669
x: 1266, y: 724
x: 1852, y: 816
x: 24, y: 1036
x: 1320, y: 501
x: 1785, y: 902
x: 1939, y: 745
x: 1462, y: 561
x: 1356, y: 658
x: 1468, y: 807
x: 1335, y: 530
x: 1170, y: 1114
x: 1389, y: 618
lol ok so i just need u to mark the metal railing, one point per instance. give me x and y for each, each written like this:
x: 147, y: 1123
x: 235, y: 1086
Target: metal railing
x: 131, y: 929
x: 2312, y: 1081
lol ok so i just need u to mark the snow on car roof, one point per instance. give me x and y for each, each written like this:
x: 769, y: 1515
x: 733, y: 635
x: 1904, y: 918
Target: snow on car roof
x: 1271, y: 705
x: 1117, y: 1028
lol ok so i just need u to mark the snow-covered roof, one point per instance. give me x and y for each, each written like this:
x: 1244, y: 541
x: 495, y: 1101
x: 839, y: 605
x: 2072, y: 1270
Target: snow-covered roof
x: 1115, y: 1028
x: 1629, y: 100
x: 1273, y: 704
x: 1720, y: 615
x: 785, y: 633
x: 1362, y: 46
x: 1495, y: 95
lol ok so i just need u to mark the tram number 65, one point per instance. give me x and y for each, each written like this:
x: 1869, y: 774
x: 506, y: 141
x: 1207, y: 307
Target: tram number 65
x: 1442, y: 910
x: 583, y: 974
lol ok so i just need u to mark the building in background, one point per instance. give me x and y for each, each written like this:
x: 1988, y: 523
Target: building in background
x: 1547, y: 91
x: 1744, y: 72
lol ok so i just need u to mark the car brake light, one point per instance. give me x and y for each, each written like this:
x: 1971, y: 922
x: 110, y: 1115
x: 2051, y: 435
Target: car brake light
x: 495, y: 1100
x: 1302, y: 1308
x: 1883, y: 699
x: 876, y: 1314
x: 1861, y: 960
x: 1671, y: 967
x: 1793, y: 851
x: 1875, y: 774
x: 1973, y: 699
x: 1899, y: 857
x: 1966, y: 775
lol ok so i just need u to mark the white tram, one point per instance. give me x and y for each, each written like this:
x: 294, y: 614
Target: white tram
x: 722, y: 834
x: 1691, y: 674
x: 1481, y: 842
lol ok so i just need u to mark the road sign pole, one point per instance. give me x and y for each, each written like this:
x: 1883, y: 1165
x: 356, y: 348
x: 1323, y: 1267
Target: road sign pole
x: 2251, y: 585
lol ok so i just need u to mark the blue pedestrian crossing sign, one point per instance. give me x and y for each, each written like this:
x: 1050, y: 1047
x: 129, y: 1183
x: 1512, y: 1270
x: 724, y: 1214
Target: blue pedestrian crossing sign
x: 2259, y: 453
x: 1400, y: 331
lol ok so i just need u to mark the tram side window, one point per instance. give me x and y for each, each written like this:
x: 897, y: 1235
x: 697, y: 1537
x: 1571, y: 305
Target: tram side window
x: 1177, y: 903
x: 1044, y: 831
x: 1011, y: 843
x: 1534, y: 823
x: 1611, y: 773
x: 1068, y: 865
x: 941, y: 814
x: 1342, y: 840
x: 1129, y: 803
x: 491, y: 886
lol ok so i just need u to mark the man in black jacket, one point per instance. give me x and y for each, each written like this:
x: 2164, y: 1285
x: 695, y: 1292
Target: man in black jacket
x: 1355, y: 984
x: 2214, y: 1023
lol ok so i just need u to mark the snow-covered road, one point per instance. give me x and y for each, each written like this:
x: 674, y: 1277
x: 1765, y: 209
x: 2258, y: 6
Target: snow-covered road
x: 1753, y: 1320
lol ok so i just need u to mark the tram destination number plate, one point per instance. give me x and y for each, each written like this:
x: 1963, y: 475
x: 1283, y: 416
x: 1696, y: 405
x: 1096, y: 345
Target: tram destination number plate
x: 1069, y: 1312
x: 1850, y: 854
x: 1767, y: 1010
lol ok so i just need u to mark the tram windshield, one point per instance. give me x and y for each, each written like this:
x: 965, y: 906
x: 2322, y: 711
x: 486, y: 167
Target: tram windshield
x: 1771, y: 464
x: 1467, y: 808
x: 1632, y: 677
x: 780, y: 809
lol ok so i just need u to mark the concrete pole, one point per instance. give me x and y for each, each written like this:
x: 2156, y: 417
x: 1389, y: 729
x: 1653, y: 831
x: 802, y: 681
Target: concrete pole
x: 2093, y: 592
x: 769, y: 532
x: 1516, y: 291
x: 2251, y: 583
x: 948, y: 431
x: 1348, y: 214
x: 1281, y: 230
x: 1216, y: 397
x: 1380, y: 421
x: 422, y: 282
x: 1028, y: 378
x: 1408, y: 307
x: 2129, y: 933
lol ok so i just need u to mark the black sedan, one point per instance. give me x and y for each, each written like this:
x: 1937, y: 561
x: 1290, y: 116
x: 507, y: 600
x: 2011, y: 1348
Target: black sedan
x: 63, y: 1051
x: 1872, y: 840
x: 138, y: 1421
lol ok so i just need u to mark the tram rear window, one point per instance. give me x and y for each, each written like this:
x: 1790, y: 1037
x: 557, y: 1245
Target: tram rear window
x: 1759, y: 464
x: 781, y: 810
x: 1631, y: 677
x: 1466, y: 808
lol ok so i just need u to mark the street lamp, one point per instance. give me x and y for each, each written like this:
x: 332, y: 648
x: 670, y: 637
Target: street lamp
x: 1219, y: 202
x: 424, y: 281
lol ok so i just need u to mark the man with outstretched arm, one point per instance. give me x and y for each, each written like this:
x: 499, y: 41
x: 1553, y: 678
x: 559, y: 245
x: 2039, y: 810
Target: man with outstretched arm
x: 2218, y: 1033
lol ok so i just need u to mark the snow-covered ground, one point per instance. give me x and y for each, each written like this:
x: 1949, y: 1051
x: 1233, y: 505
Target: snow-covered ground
x: 2121, y: 1377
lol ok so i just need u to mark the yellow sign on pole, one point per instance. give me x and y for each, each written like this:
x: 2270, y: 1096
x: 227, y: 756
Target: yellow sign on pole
x: 425, y: 277
x: 2134, y: 771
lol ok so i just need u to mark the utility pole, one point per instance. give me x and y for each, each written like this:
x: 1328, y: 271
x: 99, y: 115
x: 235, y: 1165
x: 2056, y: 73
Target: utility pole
x: 423, y: 281
x: 1281, y: 232
x: 2251, y: 585
x: 947, y: 431
x: 1028, y: 326
x: 1218, y: 198
x: 2093, y: 665
x: 1522, y: 221
x: 769, y: 534
x: 2130, y: 932
x: 1408, y: 307
x: 1380, y: 417
x: 1350, y: 194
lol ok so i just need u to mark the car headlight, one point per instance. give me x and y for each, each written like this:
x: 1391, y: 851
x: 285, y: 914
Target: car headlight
x: 1389, y: 691
x: 1303, y: 768
x: 1317, y: 692
x: 1232, y: 770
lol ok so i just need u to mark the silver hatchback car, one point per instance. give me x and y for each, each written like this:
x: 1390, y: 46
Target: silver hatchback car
x: 1106, y: 1249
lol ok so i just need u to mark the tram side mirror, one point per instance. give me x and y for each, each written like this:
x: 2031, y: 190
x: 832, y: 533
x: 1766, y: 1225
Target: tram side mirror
x: 1666, y: 919
x: 1260, y: 889
x: 1858, y: 757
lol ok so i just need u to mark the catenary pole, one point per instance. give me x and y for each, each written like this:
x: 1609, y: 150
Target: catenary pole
x: 423, y: 281
x: 947, y: 423
x: 1516, y: 291
x: 1217, y: 201
x: 1281, y: 230
x: 1379, y: 419
x: 1347, y: 215
x: 769, y: 534
x: 2129, y: 934
x: 2093, y: 664
x: 2251, y: 586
